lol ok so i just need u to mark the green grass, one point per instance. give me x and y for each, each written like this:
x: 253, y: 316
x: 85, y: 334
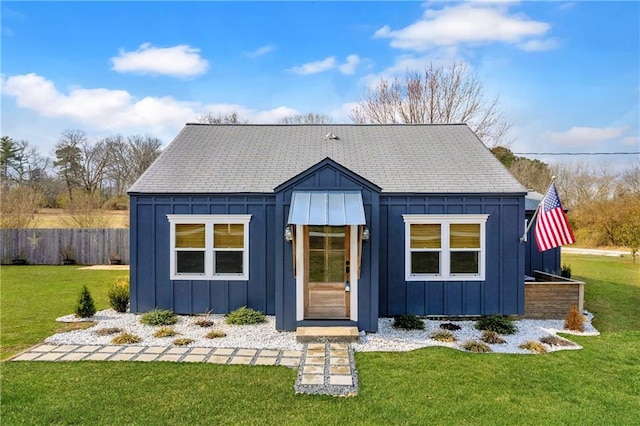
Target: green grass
x: 599, y: 384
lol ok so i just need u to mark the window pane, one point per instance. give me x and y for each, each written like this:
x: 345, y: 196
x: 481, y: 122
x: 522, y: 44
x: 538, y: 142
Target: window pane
x: 425, y: 262
x: 190, y: 235
x: 464, y: 262
x: 465, y: 235
x: 335, y: 266
x: 190, y: 262
x: 316, y: 237
x: 228, y: 262
x: 336, y: 236
x: 316, y: 266
x: 228, y: 235
x: 425, y: 235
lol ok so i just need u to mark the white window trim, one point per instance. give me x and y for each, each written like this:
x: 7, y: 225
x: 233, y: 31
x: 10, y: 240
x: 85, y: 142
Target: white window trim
x: 445, y: 220
x: 209, y: 220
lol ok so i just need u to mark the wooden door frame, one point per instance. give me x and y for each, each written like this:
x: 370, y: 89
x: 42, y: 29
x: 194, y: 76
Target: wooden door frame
x: 300, y: 257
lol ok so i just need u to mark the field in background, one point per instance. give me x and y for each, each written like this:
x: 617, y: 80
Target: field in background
x: 59, y: 218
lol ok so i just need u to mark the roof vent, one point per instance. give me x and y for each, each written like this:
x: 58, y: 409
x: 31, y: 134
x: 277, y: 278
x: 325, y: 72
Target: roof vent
x: 330, y: 135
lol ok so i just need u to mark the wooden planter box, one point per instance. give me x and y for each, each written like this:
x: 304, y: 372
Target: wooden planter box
x: 551, y: 296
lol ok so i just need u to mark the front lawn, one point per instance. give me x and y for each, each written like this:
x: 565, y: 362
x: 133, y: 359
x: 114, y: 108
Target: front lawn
x: 599, y: 384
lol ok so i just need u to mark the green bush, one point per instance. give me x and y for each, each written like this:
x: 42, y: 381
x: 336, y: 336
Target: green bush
x: 565, y: 271
x: 159, y: 317
x: 85, y: 308
x: 126, y: 339
x: 165, y: 332
x: 498, y: 323
x: 408, y: 322
x: 245, y: 315
x: 476, y: 346
x: 215, y: 334
x: 118, y: 294
x: 443, y: 336
x: 490, y: 336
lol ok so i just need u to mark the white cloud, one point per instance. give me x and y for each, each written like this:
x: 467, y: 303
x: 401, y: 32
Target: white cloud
x: 117, y: 110
x: 343, y: 114
x: 178, y: 61
x: 315, y: 67
x: 411, y: 63
x: 261, y: 51
x: 632, y: 142
x: 349, y: 67
x: 465, y: 23
x: 585, y: 136
x: 539, y: 45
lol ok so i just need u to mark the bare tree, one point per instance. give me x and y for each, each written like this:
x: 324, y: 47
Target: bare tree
x: 69, y: 158
x: 439, y: 94
x: 228, y: 118
x: 580, y: 184
x: 308, y: 118
x: 95, y: 158
x: 18, y: 206
x: 143, y: 151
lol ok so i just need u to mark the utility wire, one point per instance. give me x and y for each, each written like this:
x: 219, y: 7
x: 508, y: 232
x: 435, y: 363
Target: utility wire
x: 577, y: 153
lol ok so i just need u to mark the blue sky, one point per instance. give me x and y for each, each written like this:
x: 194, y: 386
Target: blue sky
x: 567, y: 73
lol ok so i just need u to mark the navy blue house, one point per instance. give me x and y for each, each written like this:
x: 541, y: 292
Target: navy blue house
x: 328, y: 224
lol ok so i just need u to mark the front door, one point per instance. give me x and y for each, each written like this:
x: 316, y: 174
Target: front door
x: 327, y: 267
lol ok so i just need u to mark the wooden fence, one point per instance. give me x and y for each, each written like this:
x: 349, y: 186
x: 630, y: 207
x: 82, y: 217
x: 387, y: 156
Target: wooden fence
x: 46, y: 246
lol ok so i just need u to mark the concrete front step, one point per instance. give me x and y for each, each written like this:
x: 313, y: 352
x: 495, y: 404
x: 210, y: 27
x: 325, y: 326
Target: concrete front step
x: 327, y: 334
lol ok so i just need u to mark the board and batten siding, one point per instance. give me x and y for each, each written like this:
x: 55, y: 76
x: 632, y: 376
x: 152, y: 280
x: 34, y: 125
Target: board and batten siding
x: 502, y: 292
x: 151, y: 286
x: 44, y: 246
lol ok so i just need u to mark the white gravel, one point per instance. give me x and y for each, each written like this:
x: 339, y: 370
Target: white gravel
x: 265, y: 336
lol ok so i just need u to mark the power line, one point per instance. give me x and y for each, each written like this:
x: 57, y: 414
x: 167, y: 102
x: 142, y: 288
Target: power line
x: 577, y: 153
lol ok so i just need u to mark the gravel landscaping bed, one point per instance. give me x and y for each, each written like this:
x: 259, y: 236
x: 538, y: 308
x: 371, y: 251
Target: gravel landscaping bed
x: 265, y: 336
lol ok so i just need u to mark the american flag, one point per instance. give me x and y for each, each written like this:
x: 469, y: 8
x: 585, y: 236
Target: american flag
x: 552, y: 226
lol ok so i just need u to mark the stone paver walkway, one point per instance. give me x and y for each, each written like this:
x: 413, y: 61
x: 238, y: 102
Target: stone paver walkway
x: 327, y: 369
x: 48, y: 352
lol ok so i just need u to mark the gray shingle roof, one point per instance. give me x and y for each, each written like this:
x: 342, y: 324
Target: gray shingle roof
x: 257, y: 158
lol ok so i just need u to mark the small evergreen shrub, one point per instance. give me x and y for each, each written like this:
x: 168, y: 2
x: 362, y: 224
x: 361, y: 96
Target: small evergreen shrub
x: 533, y: 346
x: 476, y: 346
x: 555, y: 341
x: 165, y: 332
x: 565, y: 271
x: 498, y: 323
x: 182, y: 342
x: 449, y: 326
x: 118, y: 294
x: 159, y: 317
x: 215, y: 334
x: 126, y: 339
x: 575, y: 320
x: 408, y: 322
x: 491, y: 337
x: 244, y: 315
x: 443, y: 336
x: 85, y: 308
x: 108, y: 331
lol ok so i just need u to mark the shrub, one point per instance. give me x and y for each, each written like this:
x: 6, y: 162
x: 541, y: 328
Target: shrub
x: 118, y: 294
x: 165, y: 332
x: 159, y: 317
x: 203, y: 322
x: 408, y: 322
x: 565, y: 271
x: 490, y: 336
x: 182, y: 342
x: 555, y: 341
x: 476, y: 346
x: 575, y: 320
x: 85, y: 308
x: 449, y: 326
x: 245, y: 315
x: 108, y: 331
x: 533, y: 346
x: 498, y: 323
x: 443, y: 336
x: 215, y: 334
x: 126, y: 339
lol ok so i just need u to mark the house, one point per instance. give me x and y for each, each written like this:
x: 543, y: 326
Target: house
x: 328, y: 224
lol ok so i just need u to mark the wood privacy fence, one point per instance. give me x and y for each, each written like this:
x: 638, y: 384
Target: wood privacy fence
x: 45, y: 246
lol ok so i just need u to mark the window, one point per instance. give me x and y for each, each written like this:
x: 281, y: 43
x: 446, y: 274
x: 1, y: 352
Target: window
x: 444, y: 247
x: 209, y: 247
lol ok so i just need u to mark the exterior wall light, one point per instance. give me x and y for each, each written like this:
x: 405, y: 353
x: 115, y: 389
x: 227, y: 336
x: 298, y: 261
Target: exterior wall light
x: 365, y: 234
x: 288, y: 234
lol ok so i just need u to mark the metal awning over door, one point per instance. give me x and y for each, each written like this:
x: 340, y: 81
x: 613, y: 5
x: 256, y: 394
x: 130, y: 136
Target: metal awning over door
x: 334, y: 208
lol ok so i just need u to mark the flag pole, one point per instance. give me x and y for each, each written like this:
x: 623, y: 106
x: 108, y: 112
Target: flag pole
x: 535, y: 214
